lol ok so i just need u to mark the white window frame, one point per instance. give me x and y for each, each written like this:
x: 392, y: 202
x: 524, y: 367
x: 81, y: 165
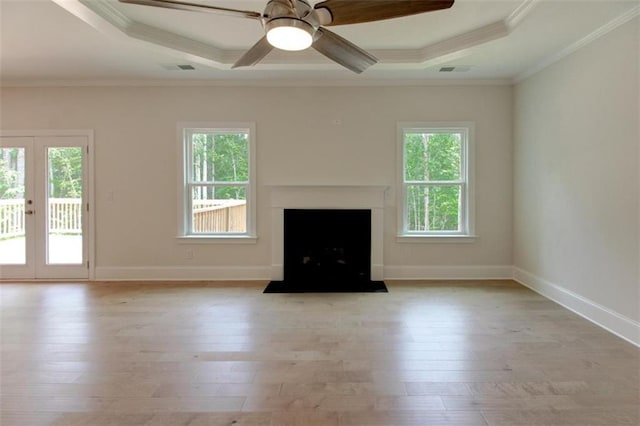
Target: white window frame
x: 466, y: 231
x: 184, y: 195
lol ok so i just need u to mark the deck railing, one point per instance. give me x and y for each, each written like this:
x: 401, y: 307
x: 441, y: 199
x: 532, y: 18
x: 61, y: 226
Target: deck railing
x: 219, y: 216
x: 11, y: 218
x: 65, y: 217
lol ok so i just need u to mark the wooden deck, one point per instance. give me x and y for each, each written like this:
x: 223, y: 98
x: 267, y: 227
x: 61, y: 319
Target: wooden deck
x: 449, y: 353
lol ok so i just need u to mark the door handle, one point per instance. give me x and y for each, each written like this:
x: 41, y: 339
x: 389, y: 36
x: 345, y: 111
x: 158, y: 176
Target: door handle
x: 29, y: 212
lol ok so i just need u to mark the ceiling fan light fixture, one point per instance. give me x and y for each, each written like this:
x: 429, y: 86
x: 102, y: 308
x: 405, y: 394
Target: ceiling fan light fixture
x: 289, y: 34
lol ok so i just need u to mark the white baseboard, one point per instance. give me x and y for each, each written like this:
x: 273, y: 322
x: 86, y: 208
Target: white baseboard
x: 611, y: 321
x: 470, y: 272
x: 183, y: 273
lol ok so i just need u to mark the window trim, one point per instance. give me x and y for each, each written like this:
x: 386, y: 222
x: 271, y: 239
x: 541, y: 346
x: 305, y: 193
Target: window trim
x: 467, y: 183
x: 184, y: 200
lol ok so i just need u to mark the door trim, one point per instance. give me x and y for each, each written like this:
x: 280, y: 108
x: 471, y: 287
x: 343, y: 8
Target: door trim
x: 90, y: 192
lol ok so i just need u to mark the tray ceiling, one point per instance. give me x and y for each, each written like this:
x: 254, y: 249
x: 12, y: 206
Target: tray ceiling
x: 107, y: 41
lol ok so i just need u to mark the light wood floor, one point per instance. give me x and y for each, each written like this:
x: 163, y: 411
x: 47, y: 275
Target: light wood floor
x: 448, y: 353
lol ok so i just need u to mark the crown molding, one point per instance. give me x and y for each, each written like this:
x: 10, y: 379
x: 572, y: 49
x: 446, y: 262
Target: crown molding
x: 189, y: 49
x: 520, y: 13
x: 107, y: 11
x: 105, y: 17
x: 465, y: 41
x: 101, y: 15
x: 257, y: 83
x: 588, y: 39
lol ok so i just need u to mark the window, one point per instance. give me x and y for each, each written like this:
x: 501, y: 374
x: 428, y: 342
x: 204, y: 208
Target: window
x: 217, y: 190
x: 436, y: 195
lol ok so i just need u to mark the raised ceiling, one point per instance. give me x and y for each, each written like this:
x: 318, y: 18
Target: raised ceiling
x: 102, y: 41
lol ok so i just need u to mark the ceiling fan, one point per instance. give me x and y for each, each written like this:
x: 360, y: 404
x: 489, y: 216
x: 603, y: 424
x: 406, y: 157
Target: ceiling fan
x: 296, y: 25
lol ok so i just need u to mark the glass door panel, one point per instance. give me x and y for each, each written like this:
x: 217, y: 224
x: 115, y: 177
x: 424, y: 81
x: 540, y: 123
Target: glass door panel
x: 17, y: 202
x: 13, y: 248
x: 64, y: 190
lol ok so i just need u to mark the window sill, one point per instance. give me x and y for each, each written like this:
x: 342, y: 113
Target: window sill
x: 430, y: 239
x: 226, y: 239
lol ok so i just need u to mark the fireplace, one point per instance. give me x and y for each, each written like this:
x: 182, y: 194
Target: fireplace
x: 327, y: 247
x: 328, y: 237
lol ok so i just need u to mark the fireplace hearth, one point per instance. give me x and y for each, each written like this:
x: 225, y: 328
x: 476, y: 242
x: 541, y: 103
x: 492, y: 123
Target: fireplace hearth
x: 327, y: 250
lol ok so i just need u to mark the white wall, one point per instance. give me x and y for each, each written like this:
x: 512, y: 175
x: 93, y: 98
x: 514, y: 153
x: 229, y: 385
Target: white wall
x: 576, y: 186
x: 297, y: 143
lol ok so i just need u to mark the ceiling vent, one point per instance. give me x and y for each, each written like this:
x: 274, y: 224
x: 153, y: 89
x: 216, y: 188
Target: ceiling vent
x: 178, y: 67
x: 459, y: 68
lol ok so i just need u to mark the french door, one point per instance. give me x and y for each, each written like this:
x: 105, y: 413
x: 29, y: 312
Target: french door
x: 44, y: 207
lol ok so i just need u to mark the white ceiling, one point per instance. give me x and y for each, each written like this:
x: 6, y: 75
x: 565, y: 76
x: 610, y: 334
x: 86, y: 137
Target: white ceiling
x: 94, y: 41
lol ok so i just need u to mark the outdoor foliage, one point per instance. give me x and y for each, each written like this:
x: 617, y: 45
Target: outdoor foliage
x: 220, y: 159
x: 65, y: 172
x: 432, y: 170
x: 11, y: 186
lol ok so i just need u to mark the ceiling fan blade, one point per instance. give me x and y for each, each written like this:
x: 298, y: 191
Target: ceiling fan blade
x: 255, y: 54
x: 343, y: 51
x: 346, y: 12
x: 179, y: 5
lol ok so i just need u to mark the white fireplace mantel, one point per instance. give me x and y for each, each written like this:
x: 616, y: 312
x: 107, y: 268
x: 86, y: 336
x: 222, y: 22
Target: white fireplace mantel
x: 327, y: 197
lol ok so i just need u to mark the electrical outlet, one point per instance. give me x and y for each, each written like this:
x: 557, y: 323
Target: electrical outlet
x: 189, y: 254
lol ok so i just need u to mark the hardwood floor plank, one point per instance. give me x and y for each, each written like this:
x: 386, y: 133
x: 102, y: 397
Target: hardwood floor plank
x: 175, y: 405
x: 437, y: 388
x: 546, y: 402
x: 214, y: 389
x: 526, y: 389
x: 53, y: 403
x: 72, y: 390
x: 309, y: 402
x: 412, y: 418
x: 570, y: 417
x: 28, y: 418
x: 343, y: 388
x: 305, y: 418
x: 171, y: 419
x: 102, y: 419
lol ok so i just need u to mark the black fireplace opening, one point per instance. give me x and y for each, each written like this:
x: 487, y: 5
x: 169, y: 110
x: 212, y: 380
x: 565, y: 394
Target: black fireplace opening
x: 327, y: 250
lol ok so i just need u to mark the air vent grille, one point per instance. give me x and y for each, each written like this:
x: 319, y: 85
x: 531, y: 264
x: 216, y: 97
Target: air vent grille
x: 457, y: 68
x: 178, y: 67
